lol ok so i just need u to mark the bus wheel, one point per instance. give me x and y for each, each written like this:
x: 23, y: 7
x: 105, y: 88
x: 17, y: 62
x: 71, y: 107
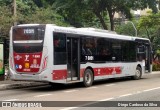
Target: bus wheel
x: 138, y: 73
x: 88, y: 78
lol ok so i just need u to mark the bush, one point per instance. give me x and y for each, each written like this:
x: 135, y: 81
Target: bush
x: 156, y: 66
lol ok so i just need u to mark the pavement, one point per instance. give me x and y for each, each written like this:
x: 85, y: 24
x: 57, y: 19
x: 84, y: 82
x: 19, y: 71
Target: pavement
x: 9, y: 84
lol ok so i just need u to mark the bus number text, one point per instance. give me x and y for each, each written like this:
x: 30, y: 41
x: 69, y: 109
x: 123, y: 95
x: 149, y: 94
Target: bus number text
x: 89, y: 58
x: 28, y: 31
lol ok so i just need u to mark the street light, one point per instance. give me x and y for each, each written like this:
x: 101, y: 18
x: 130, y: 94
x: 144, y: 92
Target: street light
x: 133, y: 27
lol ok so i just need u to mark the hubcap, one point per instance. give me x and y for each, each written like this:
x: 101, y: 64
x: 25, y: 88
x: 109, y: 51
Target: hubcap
x: 138, y: 73
x: 88, y: 78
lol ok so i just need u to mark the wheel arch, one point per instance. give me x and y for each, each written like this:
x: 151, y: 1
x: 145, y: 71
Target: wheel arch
x: 89, y: 67
x: 139, y: 66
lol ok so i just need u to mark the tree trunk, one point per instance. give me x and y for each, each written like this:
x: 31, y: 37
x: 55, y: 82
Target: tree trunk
x: 111, y: 19
x: 101, y: 20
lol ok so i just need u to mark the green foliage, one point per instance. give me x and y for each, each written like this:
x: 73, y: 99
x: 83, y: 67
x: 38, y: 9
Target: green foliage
x: 126, y: 29
x: 156, y: 66
x: 6, y: 21
x: 158, y: 52
x: 78, y: 13
x: 152, y: 20
x: 151, y: 26
x: 75, y: 12
x: 44, y: 16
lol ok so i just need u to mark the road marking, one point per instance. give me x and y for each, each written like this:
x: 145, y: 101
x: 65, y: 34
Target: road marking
x: 11, y: 100
x: 110, y: 85
x: 125, y: 95
x: 91, y: 87
x: 42, y: 95
x: 151, y: 89
x: 71, y: 91
x: 106, y: 99
x: 69, y: 108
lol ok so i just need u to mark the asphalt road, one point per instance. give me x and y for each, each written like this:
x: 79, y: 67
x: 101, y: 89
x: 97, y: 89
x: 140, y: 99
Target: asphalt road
x: 116, y: 90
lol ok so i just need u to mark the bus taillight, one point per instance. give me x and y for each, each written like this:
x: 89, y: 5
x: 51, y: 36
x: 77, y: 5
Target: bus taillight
x: 45, y: 60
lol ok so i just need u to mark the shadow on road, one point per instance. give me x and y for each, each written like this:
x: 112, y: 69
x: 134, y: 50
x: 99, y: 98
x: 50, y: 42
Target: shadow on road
x: 58, y: 87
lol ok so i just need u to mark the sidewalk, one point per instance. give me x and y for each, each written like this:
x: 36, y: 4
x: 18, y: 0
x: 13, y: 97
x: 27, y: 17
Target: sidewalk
x: 155, y: 72
x: 9, y: 84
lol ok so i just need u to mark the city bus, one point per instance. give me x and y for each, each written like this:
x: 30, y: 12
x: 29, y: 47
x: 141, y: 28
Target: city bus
x: 54, y: 54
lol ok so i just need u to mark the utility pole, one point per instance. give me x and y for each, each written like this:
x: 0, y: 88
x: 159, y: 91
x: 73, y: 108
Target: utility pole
x: 14, y: 11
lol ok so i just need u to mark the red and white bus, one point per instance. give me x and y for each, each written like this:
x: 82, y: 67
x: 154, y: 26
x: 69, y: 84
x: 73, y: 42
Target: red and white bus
x: 55, y: 54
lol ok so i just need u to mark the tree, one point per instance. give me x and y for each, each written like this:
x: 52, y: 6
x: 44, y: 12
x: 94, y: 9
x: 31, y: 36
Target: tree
x: 37, y: 12
x: 45, y: 16
x: 151, y: 25
x: 75, y: 12
x: 6, y: 21
x: 71, y: 10
x: 126, y: 29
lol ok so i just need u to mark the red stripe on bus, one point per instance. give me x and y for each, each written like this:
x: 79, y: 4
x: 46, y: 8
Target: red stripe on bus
x: 59, y: 74
x: 82, y: 73
x: 62, y: 74
x: 107, y: 71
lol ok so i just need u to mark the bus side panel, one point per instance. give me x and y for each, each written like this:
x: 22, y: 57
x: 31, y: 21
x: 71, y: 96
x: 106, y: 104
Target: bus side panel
x: 110, y: 70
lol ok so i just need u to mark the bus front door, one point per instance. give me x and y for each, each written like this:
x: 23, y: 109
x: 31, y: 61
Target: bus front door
x: 73, y: 59
x: 147, y: 58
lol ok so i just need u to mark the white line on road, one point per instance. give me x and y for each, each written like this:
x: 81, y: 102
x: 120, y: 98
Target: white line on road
x: 69, y: 108
x: 71, y: 91
x: 42, y: 95
x: 106, y: 99
x: 125, y: 95
x: 151, y: 89
x: 110, y: 85
x: 11, y: 100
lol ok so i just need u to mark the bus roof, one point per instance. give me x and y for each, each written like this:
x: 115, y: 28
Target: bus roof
x: 89, y: 32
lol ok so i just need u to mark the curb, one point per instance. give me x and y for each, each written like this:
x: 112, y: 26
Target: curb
x: 20, y: 84
x: 155, y: 72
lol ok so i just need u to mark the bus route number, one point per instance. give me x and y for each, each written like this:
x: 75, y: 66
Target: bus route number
x: 28, y: 31
x: 90, y: 58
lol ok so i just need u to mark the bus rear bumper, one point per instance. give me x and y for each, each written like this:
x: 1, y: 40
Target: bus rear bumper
x: 26, y: 77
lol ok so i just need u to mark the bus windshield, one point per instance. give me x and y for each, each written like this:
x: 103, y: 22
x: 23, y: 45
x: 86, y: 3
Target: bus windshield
x: 28, y: 39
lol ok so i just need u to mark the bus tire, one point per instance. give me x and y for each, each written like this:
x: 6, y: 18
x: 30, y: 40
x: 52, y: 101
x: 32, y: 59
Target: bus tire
x: 88, y: 78
x: 138, y: 73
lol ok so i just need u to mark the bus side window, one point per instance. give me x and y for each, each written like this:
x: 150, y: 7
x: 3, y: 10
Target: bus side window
x: 140, y: 52
x: 59, y: 48
x: 88, y: 46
